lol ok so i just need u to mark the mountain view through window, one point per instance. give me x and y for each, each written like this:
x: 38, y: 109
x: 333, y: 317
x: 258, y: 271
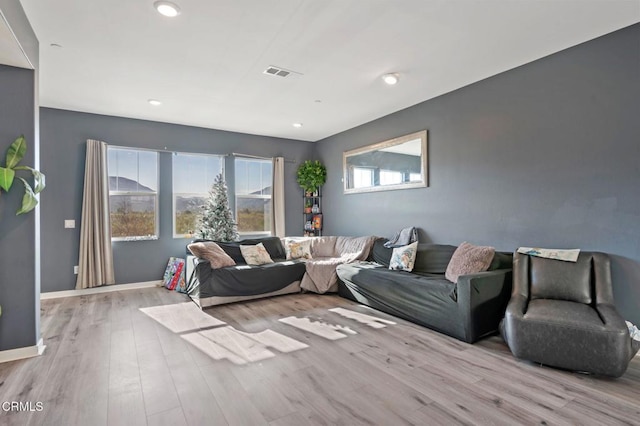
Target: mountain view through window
x: 133, y: 193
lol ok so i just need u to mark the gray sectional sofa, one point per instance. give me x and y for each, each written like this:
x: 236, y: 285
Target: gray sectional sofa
x: 209, y: 287
x: 467, y: 310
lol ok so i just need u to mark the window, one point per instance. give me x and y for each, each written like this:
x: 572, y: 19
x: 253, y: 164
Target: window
x: 253, y: 195
x: 193, y: 175
x: 390, y: 177
x: 362, y: 177
x: 133, y: 194
x: 415, y: 177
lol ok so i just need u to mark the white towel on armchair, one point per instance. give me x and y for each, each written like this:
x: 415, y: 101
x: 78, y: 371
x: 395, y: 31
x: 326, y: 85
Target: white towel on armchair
x: 567, y: 255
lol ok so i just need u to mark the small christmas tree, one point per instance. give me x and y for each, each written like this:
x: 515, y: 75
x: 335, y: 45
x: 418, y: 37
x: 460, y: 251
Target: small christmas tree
x: 216, y: 220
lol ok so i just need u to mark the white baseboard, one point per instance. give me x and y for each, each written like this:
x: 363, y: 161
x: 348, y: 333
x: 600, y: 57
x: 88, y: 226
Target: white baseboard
x: 101, y: 289
x: 21, y: 353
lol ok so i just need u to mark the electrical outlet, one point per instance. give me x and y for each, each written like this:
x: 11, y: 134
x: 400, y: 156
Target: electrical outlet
x: 69, y: 223
x: 75, y: 270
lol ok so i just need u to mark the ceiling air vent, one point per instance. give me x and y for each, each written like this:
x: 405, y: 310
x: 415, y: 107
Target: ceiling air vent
x: 280, y: 72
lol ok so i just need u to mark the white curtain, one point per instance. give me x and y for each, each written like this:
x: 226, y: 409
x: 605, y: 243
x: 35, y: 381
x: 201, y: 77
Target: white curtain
x: 277, y: 198
x: 95, y: 265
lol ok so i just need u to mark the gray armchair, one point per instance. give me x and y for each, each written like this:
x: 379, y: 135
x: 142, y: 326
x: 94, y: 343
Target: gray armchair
x: 561, y: 314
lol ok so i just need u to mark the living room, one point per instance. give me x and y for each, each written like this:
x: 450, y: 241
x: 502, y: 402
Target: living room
x: 538, y: 150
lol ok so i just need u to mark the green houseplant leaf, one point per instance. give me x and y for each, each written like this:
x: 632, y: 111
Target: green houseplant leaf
x: 311, y: 175
x: 6, y: 178
x: 16, y: 152
x: 29, y: 200
x: 38, y: 178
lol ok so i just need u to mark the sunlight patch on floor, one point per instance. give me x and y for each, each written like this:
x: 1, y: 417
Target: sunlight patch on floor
x: 318, y: 327
x: 182, y: 317
x: 369, y: 320
x: 240, y: 347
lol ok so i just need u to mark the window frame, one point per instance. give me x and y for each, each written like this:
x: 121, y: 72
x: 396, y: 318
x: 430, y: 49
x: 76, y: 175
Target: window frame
x: 371, y: 170
x: 251, y: 196
x: 390, y: 172
x: 174, y: 194
x: 155, y: 194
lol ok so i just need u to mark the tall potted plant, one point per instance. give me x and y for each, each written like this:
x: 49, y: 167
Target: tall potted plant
x: 311, y: 175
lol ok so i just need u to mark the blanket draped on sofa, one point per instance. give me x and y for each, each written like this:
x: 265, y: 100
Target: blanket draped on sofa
x: 328, y: 253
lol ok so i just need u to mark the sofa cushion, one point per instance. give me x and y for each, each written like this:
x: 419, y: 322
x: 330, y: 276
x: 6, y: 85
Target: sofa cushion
x: 212, y: 252
x: 430, y: 258
x: 298, y: 249
x: 564, y: 313
x: 272, y: 244
x: 469, y: 259
x: 353, y: 248
x: 232, y: 248
x: 501, y: 261
x: 556, y: 279
x: 323, y: 247
x: 255, y: 254
x: 403, y: 258
x: 381, y: 254
x: 433, y: 258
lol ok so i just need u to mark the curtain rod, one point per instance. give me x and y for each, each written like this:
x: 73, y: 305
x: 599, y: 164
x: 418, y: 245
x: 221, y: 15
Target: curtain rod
x: 235, y: 154
x: 165, y: 150
x: 139, y: 149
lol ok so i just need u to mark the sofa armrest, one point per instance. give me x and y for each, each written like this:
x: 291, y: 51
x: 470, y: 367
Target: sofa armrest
x: 475, y: 289
x: 517, y: 306
x: 482, y: 299
x: 611, y: 318
x: 198, y: 270
x: 614, y: 322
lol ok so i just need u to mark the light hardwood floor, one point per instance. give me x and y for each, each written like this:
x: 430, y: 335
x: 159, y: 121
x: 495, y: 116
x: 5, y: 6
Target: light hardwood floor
x: 146, y: 357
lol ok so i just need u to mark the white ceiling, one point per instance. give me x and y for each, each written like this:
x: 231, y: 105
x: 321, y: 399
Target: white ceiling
x: 206, y: 65
x: 412, y: 147
x: 11, y: 52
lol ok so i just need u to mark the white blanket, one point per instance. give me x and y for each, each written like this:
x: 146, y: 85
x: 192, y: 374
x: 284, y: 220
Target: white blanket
x: 570, y: 255
x: 321, y: 275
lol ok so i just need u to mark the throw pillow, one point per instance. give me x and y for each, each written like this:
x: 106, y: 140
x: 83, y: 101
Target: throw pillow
x: 298, y: 249
x: 469, y: 259
x: 255, y: 255
x: 208, y: 250
x: 403, y: 258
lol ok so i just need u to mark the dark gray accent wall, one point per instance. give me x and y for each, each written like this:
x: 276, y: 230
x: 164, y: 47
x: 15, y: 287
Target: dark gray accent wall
x: 18, y: 323
x: 544, y: 155
x: 64, y: 135
x: 19, y: 235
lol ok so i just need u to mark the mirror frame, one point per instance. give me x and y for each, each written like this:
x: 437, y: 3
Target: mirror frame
x: 422, y: 135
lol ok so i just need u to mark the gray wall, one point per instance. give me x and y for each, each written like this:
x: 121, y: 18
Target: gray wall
x: 19, y: 242
x: 17, y: 233
x: 544, y: 155
x: 64, y: 135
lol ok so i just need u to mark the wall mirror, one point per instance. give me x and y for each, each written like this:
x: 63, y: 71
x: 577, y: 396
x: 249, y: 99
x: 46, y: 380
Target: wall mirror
x: 399, y: 163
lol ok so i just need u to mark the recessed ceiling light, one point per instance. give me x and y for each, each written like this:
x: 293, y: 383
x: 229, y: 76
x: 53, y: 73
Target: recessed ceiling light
x: 155, y: 102
x: 167, y: 8
x: 297, y: 125
x: 391, y: 78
